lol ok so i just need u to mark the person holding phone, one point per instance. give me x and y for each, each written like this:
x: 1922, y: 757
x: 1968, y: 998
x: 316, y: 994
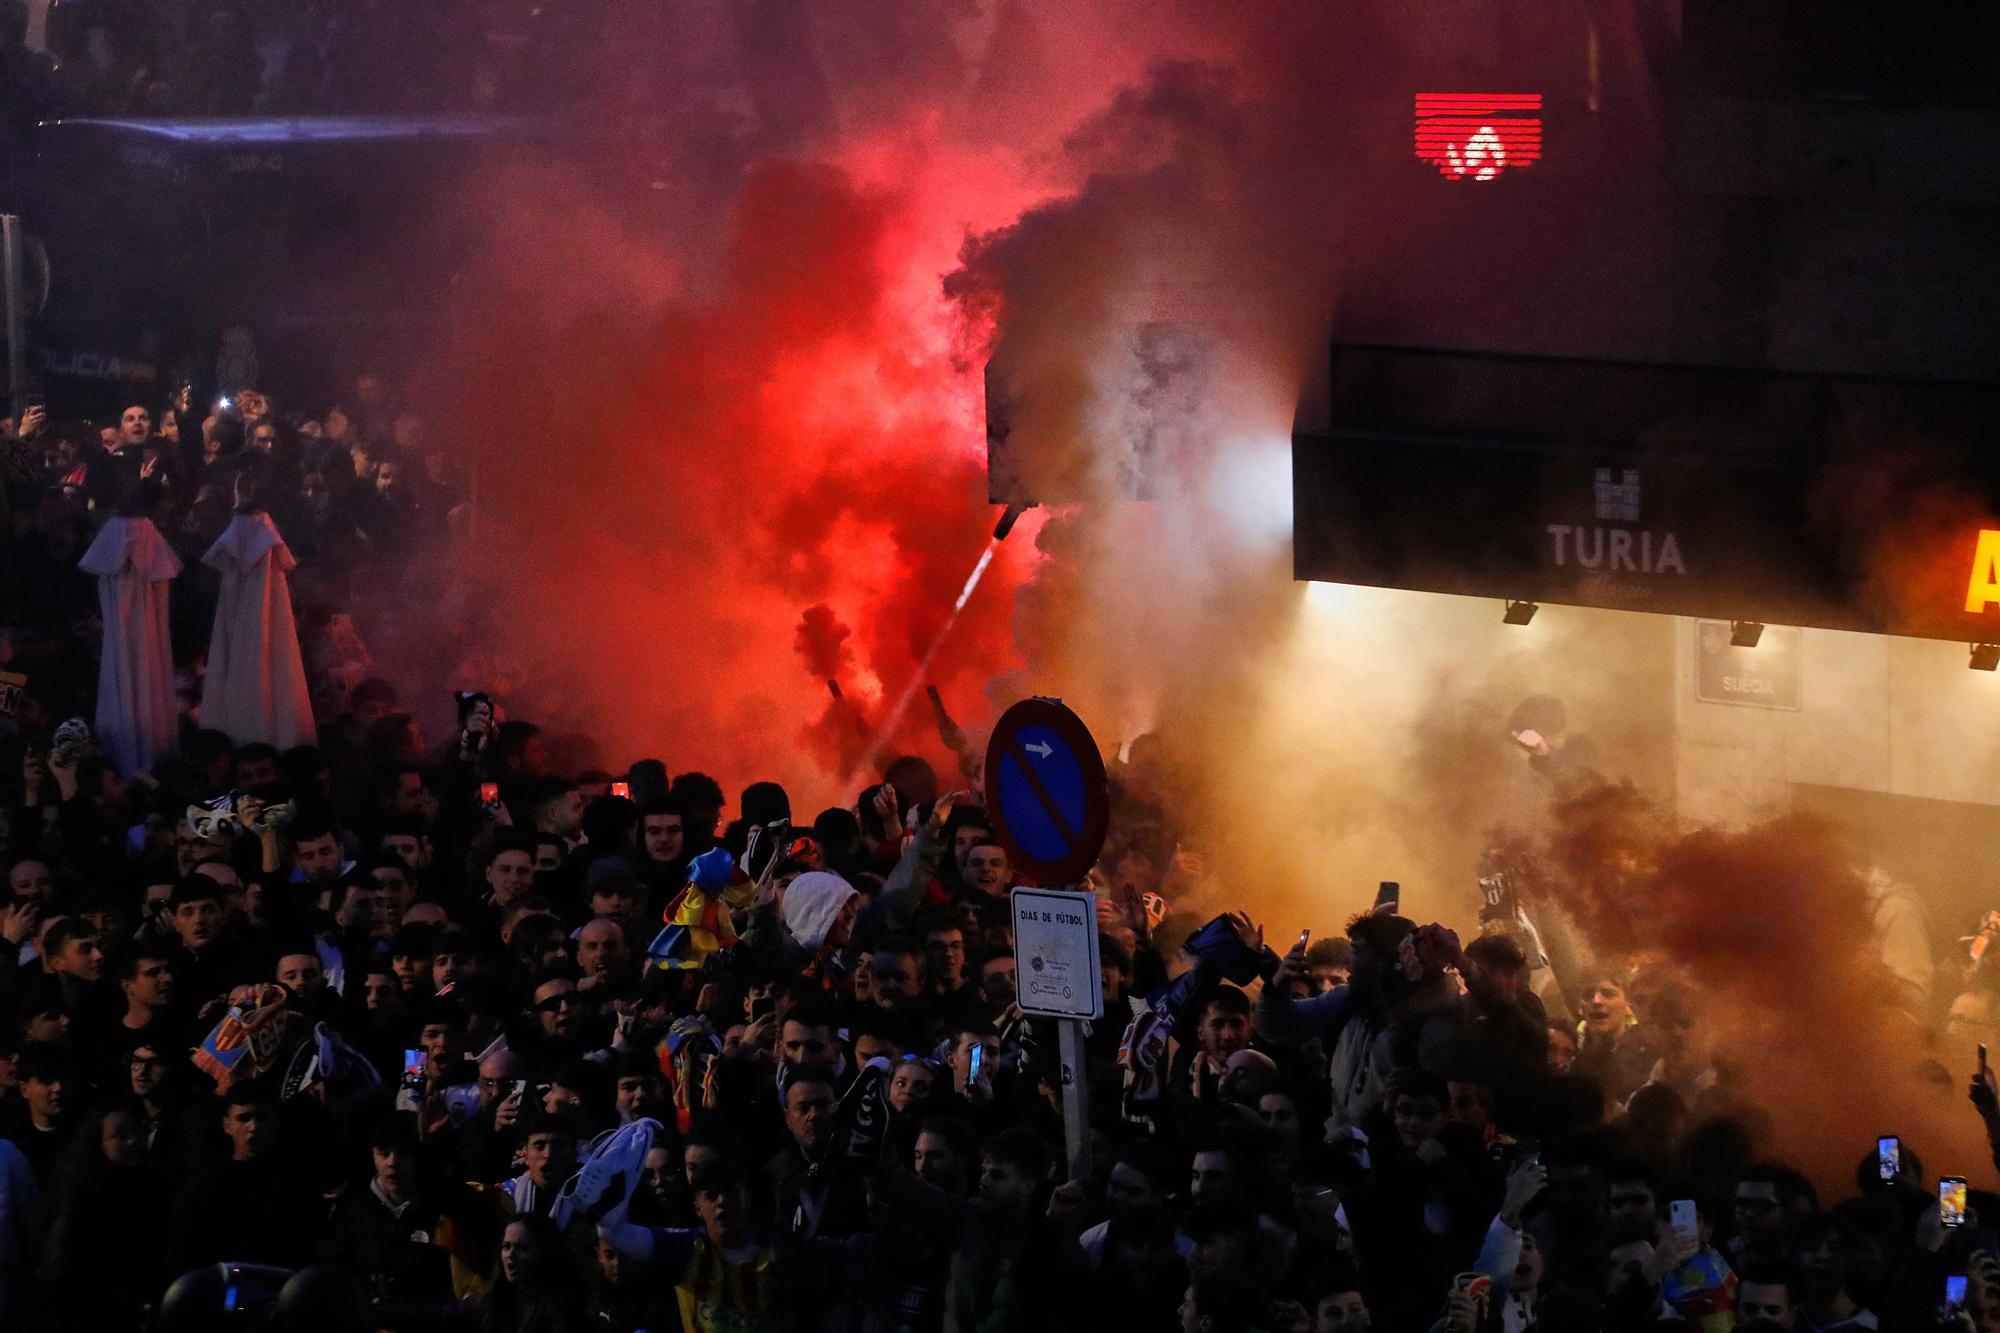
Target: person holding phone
x: 1392, y: 983
x: 1695, y: 1279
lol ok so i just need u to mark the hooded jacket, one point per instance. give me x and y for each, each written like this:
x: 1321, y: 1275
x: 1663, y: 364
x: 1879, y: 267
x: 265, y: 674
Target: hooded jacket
x: 812, y: 904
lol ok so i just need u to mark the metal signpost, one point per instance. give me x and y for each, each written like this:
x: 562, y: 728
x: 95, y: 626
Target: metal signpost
x: 12, y: 287
x: 1050, y: 805
x: 1055, y: 959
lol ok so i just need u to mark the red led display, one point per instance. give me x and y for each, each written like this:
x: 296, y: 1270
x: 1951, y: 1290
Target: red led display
x: 1479, y: 136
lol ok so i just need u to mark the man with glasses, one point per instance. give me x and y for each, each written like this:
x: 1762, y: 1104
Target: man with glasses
x: 896, y: 984
x: 486, y: 1145
x: 191, y: 849
x: 498, y: 1073
x: 944, y: 952
x: 559, y: 1011
x: 1765, y: 1200
x: 147, y: 1073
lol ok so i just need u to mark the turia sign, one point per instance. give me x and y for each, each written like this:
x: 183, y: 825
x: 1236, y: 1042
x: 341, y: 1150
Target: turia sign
x: 1787, y: 499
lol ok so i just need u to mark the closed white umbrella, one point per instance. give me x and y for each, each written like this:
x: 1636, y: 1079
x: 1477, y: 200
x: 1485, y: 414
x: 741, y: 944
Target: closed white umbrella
x: 256, y: 684
x: 135, y: 676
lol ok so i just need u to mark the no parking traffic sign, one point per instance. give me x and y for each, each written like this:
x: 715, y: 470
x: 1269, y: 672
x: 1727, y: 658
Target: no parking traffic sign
x: 1046, y: 793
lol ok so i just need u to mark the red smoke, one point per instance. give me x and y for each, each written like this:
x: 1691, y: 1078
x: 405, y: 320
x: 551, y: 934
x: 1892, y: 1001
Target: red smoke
x: 710, y: 377
x: 663, y: 502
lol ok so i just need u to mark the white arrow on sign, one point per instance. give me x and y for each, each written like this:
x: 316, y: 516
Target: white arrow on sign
x: 1042, y: 748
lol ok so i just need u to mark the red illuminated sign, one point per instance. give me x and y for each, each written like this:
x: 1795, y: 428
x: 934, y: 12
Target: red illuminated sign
x: 1479, y: 136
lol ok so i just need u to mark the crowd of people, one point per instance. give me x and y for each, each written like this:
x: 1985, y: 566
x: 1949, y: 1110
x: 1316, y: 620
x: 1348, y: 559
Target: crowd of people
x: 457, y: 1039
x: 356, y: 486
x: 178, y: 58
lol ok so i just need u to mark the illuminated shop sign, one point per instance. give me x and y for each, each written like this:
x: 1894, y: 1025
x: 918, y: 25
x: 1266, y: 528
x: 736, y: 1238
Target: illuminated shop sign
x: 1687, y: 491
x: 1478, y: 136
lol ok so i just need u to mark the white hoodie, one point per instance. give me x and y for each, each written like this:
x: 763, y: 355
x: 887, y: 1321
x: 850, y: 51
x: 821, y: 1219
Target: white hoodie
x: 812, y: 904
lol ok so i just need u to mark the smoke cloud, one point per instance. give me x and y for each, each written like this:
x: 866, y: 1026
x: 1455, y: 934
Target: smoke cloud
x: 1767, y: 931
x: 724, y: 386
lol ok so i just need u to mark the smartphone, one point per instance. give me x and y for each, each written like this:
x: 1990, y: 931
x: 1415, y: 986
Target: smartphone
x: 1888, y: 1156
x: 622, y: 789
x: 413, y: 1066
x: 1951, y: 1200
x: 520, y: 1090
x: 1389, y: 897
x: 1982, y: 1057
x: 1954, y: 1294
x: 1528, y: 1152
x: 489, y: 793
x: 762, y: 1005
x: 1304, y: 937
x: 977, y: 1061
x: 1682, y: 1217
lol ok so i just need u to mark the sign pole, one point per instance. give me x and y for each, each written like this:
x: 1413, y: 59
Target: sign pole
x: 1050, y: 804
x: 17, y: 312
x: 1075, y: 1096
x: 1060, y: 977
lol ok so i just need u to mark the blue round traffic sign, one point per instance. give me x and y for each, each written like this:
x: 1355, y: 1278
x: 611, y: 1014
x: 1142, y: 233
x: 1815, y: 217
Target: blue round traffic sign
x: 1046, y: 792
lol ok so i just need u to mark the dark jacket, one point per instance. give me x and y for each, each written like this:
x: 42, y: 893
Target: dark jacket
x: 104, y: 1250
x: 397, y: 1253
x: 260, y: 1212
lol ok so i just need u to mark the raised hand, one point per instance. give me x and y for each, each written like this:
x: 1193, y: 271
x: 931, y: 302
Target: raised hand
x: 942, y: 810
x: 885, y: 809
x: 1524, y: 1182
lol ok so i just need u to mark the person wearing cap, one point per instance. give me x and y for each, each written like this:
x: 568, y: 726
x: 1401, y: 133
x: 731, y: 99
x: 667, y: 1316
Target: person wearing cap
x: 613, y: 890
x: 1506, y: 1015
